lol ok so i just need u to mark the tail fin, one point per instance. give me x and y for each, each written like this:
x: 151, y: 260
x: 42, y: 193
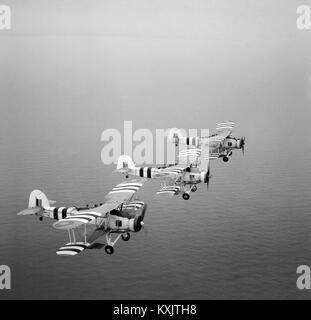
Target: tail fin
x: 174, y: 136
x: 124, y: 163
x: 38, y: 199
x: 37, y: 202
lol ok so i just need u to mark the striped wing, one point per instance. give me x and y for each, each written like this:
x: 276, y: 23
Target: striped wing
x: 123, y: 192
x: 173, y: 172
x: 168, y: 191
x: 71, y: 249
x: 224, y: 129
x: 189, y: 156
x: 76, y: 220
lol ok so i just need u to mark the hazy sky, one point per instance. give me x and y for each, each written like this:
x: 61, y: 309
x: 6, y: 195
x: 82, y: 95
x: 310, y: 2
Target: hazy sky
x: 175, y: 63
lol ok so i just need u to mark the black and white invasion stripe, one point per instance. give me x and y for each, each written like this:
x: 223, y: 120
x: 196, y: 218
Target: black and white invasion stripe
x: 71, y: 249
x: 225, y: 125
x: 84, y: 217
x: 59, y: 213
x: 126, y: 187
x: 133, y: 205
x: 169, y: 189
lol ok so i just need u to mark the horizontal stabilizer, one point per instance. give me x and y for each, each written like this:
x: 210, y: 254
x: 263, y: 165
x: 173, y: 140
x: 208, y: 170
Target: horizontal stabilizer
x: 122, y: 170
x: 31, y: 211
x: 72, y: 249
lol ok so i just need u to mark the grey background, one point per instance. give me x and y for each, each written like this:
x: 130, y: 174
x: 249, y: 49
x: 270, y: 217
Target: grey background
x: 71, y: 69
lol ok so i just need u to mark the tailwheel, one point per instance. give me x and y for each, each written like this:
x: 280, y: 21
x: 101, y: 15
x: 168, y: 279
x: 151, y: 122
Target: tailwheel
x: 194, y: 189
x: 126, y: 236
x: 185, y: 196
x: 109, y: 249
x: 225, y: 159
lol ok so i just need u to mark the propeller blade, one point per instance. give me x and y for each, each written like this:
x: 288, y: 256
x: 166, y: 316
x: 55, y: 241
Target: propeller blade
x: 207, y: 177
x: 243, y: 145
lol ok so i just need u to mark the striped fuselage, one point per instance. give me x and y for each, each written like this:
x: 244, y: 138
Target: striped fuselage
x: 144, y: 172
x: 59, y: 213
x: 190, y: 141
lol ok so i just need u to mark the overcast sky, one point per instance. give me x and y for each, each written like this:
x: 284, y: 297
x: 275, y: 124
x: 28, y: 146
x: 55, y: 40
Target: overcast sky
x: 160, y: 63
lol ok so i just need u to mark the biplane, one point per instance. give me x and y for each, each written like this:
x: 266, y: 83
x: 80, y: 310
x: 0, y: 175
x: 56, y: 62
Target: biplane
x: 178, y: 179
x: 116, y: 218
x: 221, y: 144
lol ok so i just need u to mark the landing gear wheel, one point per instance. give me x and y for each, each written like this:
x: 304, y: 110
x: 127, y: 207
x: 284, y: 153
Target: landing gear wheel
x: 109, y: 249
x: 186, y: 196
x: 194, y: 189
x: 225, y: 159
x: 125, y: 236
x: 41, y: 218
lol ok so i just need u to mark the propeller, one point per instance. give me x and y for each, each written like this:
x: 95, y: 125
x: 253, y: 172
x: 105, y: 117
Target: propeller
x: 207, y: 177
x: 243, y: 144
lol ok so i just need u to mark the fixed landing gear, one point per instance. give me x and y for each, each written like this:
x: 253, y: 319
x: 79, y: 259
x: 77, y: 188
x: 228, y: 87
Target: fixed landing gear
x: 186, y: 196
x: 194, y: 189
x: 109, y: 249
x: 40, y: 218
x: 126, y: 236
x: 225, y: 159
x: 111, y: 242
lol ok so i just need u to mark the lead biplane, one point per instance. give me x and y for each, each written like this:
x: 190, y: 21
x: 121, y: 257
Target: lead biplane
x: 220, y: 144
x: 116, y: 218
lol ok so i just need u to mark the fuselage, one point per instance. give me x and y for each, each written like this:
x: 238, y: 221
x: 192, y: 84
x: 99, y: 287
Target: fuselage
x: 191, y: 175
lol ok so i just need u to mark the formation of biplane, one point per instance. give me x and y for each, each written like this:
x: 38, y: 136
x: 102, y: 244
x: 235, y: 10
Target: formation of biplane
x: 122, y: 213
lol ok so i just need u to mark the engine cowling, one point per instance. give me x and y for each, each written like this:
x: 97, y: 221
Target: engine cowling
x: 204, y: 176
x: 137, y: 218
x: 137, y: 223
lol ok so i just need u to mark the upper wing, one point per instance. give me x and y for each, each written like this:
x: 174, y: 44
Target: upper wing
x: 189, y: 156
x: 224, y: 129
x: 172, y: 172
x: 120, y: 194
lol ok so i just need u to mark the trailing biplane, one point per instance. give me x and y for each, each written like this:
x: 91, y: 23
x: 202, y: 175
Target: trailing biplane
x: 116, y: 218
x: 221, y: 144
x: 181, y: 178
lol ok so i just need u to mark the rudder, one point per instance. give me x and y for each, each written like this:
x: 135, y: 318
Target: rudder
x: 125, y: 162
x: 38, y: 199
